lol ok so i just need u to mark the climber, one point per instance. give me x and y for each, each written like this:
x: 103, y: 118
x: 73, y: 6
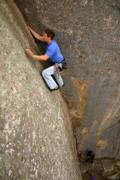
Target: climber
x: 90, y: 156
x: 53, y: 53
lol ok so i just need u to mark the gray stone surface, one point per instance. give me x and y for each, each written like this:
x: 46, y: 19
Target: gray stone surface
x: 85, y: 167
x: 107, y: 165
x: 115, y: 177
x: 117, y: 164
x: 89, y: 38
x: 97, y: 167
x: 36, y: 138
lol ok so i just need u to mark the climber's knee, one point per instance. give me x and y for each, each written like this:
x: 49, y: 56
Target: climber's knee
x: 43, y: 73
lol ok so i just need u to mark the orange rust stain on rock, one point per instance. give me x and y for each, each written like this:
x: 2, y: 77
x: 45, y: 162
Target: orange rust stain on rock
x: 76, y: 120
x: 99, y: 69
x: 83, y: 94
x: 70, y: 46
x: 95, y: 122
x: 107, y: 23
x: 102, y: 144
x: 109, y: 71
x: 85, y: 132
x: 118, y: 92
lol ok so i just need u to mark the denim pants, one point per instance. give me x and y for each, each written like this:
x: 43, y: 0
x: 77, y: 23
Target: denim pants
x: 47, y: 75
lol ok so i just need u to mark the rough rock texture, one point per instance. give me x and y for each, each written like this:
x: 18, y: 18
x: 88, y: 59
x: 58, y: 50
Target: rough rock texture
x: 89, y: 37
x: 36, y: 138
x: 102, y: 169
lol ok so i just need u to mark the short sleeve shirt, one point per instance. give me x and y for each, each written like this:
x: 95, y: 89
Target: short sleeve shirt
x: 53, y: 52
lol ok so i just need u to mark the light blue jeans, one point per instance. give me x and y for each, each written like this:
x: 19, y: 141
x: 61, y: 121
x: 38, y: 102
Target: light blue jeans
x: 47, y: 75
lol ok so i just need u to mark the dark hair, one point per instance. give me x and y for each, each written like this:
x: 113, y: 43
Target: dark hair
x: 50, y: 33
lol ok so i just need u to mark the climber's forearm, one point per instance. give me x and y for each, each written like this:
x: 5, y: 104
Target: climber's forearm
x: 36, y: 35
x: 40, y: 57
x: 37, y: 57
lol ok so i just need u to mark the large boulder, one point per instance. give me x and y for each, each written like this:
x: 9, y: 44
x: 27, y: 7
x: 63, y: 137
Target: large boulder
x: 36, y: 138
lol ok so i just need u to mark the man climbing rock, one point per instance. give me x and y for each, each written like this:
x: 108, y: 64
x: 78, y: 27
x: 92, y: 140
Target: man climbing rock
x: 53, y: 53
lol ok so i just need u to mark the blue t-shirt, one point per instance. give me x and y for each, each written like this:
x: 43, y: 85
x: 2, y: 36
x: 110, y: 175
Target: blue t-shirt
x: 53, y: 51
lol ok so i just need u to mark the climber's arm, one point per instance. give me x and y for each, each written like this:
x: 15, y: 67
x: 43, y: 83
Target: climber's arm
x: 37, y: 57
x: 36, y: 35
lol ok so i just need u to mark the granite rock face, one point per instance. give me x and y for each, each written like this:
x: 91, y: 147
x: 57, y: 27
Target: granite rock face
x: 89, y: 37
x: 36, y: 138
